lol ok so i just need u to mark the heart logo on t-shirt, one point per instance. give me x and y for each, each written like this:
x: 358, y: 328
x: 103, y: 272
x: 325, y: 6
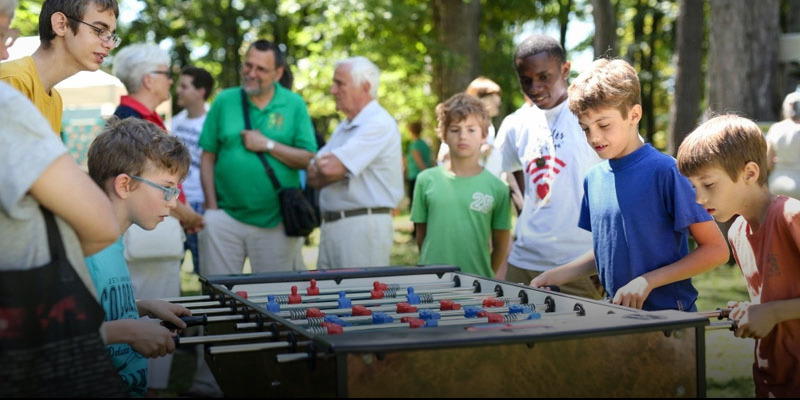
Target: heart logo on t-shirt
x: 542, y: 190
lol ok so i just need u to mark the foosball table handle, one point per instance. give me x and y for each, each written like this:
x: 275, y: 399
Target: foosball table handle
x: 189, y: 320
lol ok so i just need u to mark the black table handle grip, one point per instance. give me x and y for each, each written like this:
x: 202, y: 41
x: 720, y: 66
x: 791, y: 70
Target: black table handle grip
x: 189, y: 320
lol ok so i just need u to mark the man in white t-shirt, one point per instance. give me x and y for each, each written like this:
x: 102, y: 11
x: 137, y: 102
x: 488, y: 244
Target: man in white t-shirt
x: 194, y: 88
x: 359, y: 172
x: 547, y: 151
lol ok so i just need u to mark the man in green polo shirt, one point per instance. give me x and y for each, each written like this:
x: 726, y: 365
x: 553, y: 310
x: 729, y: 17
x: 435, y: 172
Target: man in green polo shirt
x: 242, y: 210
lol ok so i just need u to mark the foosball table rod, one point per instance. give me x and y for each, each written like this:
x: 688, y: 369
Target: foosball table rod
x: 312, y: 289
x: 385, y: 322
x: 222, y: 338
x: 250, y: 347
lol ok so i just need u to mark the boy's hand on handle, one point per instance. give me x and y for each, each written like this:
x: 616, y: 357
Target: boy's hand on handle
x: 752, y: 320
x: 150, y: 339
x: 633, y: 294
x: 165, y: 311
x: 542, y: 281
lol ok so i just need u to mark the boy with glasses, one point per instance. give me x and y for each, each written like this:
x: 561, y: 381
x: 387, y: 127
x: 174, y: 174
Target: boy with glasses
x: 138, y: 166
x: 75, y: 36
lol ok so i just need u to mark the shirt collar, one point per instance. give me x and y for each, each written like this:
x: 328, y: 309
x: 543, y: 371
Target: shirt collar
x: 361, y: 116
x: 146, y: 113
x: 278, y: 98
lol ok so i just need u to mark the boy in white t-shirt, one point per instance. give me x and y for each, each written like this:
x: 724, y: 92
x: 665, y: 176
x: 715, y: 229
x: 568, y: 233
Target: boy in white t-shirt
x: 549, y: 156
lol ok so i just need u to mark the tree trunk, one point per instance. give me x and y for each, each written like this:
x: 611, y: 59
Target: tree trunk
x: 790, y: 21
x: 743, y: 58
x: 792, y: 16
x: 605, y: 28
x: 648, y: 84
x: 564, y: 8
x: 457, y: 25
x: 688, y: 58
x: 232, y: 61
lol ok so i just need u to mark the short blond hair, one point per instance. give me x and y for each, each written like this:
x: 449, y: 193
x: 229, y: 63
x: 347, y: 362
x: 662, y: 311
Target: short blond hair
x: 607, y: 84
x: 457, y: 108
x: 727, y: 142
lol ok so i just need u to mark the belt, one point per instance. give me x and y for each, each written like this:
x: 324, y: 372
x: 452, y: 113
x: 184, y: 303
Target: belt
x: 330, y: 216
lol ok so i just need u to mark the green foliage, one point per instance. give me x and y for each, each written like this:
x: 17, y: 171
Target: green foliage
x: 26, y: 18
x: 647, y: 41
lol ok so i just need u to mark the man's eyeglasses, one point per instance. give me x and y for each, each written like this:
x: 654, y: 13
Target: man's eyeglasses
x: 8, y: 37
x: 169, y: 193
x: 103, y: 33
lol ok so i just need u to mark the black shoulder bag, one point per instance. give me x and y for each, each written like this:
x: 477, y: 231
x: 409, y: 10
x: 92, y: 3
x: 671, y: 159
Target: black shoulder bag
x: 50, y: 343
x: 299, y: 217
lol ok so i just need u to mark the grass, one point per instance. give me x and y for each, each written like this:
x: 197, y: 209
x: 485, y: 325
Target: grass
x: 728, y: 359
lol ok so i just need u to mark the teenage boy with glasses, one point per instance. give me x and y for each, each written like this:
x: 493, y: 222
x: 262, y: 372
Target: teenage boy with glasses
x: 138, y: 166
x: 75, y: 35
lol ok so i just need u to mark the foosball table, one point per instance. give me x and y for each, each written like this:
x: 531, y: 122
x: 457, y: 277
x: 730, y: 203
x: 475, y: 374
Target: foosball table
x: 433, y: 331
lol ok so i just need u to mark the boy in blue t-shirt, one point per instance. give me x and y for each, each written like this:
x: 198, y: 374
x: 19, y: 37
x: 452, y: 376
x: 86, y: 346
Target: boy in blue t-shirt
x: 138, y: 166
x: 637, y: 205
x: 459, y: 206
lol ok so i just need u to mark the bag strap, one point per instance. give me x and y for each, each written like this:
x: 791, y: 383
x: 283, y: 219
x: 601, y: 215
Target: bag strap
x: 58, y: 254
x: 53, y: 235
x: 270, y: 171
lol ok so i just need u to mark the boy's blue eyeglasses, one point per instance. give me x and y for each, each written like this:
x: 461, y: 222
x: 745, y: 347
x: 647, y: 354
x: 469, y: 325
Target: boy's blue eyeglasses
x: 169, y: 193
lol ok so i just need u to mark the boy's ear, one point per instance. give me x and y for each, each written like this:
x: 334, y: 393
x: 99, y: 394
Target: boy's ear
x: 635, y: 113
x: 121, y: 186
x: 59, y: 23
x: 751, y: 172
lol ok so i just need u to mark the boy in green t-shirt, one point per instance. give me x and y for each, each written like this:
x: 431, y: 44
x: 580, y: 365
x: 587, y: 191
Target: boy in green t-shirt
x: 457, y: 205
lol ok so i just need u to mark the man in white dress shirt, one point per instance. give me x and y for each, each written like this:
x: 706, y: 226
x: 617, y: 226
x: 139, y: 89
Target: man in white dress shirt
x: 359, y: 172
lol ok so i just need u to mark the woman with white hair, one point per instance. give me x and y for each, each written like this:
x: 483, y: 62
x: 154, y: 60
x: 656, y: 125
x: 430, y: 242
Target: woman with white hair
x: 144, y: 69
x: 154, y: 257
x: 50, y: 341
x: 783, y: 150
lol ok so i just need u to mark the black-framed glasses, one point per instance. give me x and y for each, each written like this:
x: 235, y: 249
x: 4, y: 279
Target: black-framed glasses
x: 103, y: 33
x: 169, y: 193
x: 8, y: 37
x: 165, y: 73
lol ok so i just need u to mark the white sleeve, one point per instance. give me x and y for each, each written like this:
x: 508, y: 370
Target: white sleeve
x: 370, y: 141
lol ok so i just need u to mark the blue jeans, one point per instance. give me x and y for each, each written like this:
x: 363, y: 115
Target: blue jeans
x: 191, y: 239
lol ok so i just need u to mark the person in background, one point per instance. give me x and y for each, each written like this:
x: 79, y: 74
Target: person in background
x: 783, y: 150
x: 242, y: 208
x: 460, y: 206
x: 359, y: 172
x: 194, y: 88
x: 547, y: 156
x: 418, y: 158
